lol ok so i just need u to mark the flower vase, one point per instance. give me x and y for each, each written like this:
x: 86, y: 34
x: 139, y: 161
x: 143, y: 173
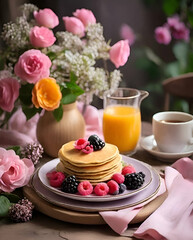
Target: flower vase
x: 52, y: 134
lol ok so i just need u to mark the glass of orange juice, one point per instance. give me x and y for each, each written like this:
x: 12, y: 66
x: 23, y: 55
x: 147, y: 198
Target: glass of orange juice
x: 122, y: 118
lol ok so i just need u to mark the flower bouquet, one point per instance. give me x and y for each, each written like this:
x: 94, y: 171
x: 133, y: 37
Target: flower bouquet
x: 41, y: 69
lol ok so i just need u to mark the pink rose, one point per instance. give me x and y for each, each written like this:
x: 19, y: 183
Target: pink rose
x: 41, y: 37
x: 9, y: 92
x: 74, y: 25
x: 162, y: 35
x: 86, y: 16
x: 127, y: 33
x: 177, y: 28
x: 119, y: 53
x: 14, y: 172
x: 180, y: 31
x: 32, y: 66
x: 46, y: 18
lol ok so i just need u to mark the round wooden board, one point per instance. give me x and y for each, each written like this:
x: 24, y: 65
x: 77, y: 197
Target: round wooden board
x: 66, y: 215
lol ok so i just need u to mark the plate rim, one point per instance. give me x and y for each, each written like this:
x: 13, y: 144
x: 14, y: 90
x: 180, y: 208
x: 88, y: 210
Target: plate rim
x: 85, y: 209
x: 99, y: 198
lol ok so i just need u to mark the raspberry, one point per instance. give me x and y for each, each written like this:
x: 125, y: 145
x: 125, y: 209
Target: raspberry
x: 81, y: 143
x: 118, y: 177
x: 85, y: 188
x: 101, y: 189
x: 57, y: 179
x: 88, y: 149
x: 113, y: 187
x: 96, y: 142
x: 128, y: 169
x: 51, y: 175
x: 122, y: 188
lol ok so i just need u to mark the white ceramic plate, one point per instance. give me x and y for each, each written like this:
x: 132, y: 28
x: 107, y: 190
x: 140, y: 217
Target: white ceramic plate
x: 139, y: 166
x: 84, y: 206
x: 149, y: 144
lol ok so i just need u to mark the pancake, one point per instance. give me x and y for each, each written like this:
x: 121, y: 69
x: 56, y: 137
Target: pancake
x: 97, y: 166
x: 76, y: 157
x: 92, y: 169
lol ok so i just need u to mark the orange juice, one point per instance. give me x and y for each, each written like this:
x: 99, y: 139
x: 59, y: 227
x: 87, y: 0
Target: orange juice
x: 122, y: 127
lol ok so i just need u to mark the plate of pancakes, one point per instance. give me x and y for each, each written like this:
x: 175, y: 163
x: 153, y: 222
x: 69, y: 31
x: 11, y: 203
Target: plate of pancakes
x: 96, y: 167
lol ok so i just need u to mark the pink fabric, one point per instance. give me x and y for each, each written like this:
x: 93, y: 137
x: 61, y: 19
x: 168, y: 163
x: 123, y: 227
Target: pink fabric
x: 21, y: 131
x: 173, y: 220
x: 119, y: 220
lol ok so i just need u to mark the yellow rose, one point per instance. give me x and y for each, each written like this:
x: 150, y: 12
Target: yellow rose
x: 46, y: 94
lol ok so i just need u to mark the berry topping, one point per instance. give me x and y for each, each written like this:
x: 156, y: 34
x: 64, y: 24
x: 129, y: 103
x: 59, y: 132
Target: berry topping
x: 128, y: 169
x: 88, y: 149
x: 122, y: 188
x: 55, y: 178
x: 96, y: 142
x: 70, y: 185
x: 85, y: 188
x: 118, y: 177
x: 113, y: 187
x: 101, y: 189
x: 134, y: 180
x: 81, y: 143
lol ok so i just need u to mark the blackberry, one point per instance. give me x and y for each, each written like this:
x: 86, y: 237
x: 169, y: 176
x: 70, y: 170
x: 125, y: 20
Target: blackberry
x: 70, y: 185
x: 134, y: 180
x: 96, y: 142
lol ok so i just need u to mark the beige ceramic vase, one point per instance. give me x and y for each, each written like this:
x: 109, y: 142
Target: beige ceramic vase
x: 52, y: 134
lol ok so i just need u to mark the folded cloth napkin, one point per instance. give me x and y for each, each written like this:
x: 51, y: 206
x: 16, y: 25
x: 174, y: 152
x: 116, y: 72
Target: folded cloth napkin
x: 173, y: 220
x: 20, y: 131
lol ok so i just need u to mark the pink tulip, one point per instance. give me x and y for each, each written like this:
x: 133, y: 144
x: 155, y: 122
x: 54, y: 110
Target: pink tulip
x: 14, y: 172
x: 119, y: 53
x: 163, y: 35
x: 9, y: 92
x: 46, y: 18
x: 74, y: 25
x: 86, y: 16
x: 32, y: 66
x: 41, y: 37
x: 127, y: 33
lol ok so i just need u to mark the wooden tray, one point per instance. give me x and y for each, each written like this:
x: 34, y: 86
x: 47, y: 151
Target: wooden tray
x: 66, y: 215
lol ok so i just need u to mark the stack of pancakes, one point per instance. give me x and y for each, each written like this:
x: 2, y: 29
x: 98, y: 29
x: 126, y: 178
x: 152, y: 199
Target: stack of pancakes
x: 98, y: 166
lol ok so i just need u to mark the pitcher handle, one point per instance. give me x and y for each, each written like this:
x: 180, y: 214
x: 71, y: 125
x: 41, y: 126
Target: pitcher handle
x: 143, y: 95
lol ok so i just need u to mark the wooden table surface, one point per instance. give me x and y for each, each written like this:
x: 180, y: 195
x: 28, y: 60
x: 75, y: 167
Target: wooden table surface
x: 43, y: 227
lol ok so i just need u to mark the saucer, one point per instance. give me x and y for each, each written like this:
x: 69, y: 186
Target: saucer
x: 149, y: 144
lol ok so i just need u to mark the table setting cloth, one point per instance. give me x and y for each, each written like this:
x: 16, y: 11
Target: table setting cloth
x: 173, y: 219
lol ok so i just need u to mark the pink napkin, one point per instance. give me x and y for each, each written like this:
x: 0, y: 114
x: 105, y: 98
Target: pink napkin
x: 173, y: 220
x: 20, y: 131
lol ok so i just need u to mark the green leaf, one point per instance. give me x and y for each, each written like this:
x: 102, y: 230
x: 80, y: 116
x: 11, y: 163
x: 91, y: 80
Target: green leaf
x: 58, y: 113
x: 69, y: 98
x: 172, y: 69
x: 13, y: 198
x: 51, y: 55
x: 4, y: 206
x: 74, y: 88
x: 190, y: 17
x: 73, y: 77
x: 171, y: 6
x: 25, y: 94
x: 180, y: 51
x: 30, y: 112
x: 17, y: 149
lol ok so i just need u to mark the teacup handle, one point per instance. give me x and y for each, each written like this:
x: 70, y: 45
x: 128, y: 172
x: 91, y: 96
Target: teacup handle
x: 191, y: 139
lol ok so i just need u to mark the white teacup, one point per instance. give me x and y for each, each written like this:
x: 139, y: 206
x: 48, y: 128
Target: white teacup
x: 173, y: 131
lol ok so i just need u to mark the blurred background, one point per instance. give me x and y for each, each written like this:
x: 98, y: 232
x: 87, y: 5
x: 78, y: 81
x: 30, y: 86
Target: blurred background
x: 149, y: 62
